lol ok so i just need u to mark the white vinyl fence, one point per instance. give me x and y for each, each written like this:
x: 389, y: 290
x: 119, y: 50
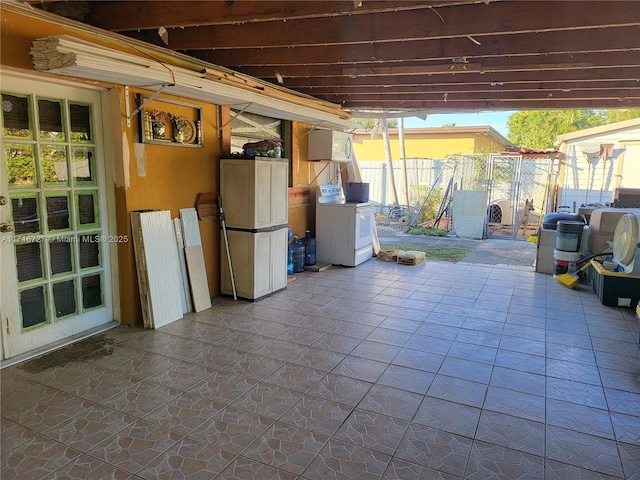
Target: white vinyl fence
x: 431, y: 181
x: 467, y: 172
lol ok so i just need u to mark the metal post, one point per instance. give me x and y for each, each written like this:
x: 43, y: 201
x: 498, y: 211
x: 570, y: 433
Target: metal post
x: 384, y: 184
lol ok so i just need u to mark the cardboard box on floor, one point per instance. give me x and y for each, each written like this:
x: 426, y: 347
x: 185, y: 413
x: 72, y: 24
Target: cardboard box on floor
x: 411, y: 257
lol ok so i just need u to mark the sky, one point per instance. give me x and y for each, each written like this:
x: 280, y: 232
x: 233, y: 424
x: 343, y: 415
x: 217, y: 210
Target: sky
x: 497, y: 120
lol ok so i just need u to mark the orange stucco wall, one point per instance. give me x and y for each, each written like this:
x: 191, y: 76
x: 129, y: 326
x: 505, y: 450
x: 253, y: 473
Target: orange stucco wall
x: 169, y: 177
x: 17, y: 33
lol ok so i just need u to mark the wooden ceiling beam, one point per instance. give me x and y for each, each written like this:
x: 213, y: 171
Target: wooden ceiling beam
x: 126, y: 15
x: 493, y: 105
x: 580, y: 41
x: 472, y: 89
x: 514, y: 95
x: 488, y: 65
x: 450, y: 22
x: 570, y: 76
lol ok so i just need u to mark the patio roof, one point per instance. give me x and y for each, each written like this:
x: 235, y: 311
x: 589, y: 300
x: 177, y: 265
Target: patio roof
x: 401, y: 57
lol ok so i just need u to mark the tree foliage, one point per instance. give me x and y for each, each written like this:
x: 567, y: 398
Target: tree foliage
x: 539, y: 128
x: 621, y: 115
x: 371, y: 123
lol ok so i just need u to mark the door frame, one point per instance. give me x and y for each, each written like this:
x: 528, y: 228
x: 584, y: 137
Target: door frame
x: 111, y: 129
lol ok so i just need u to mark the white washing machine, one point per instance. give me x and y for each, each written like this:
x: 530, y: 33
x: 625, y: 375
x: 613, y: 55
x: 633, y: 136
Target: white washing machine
x: 344, y: 231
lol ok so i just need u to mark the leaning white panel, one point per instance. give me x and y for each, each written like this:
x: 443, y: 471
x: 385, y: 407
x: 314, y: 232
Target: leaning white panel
x: 158, y: 267
x: 195, y: 259
x: 186, y: 291
x: 190, y: 227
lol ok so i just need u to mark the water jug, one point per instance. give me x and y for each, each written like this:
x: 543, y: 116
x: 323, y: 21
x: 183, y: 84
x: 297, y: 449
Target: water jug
x: 298, y: 255
x: 309, y: 249
x: 290, y: 256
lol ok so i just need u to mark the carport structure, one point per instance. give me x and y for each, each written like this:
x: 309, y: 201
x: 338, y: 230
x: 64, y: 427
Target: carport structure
x: 384, y: 371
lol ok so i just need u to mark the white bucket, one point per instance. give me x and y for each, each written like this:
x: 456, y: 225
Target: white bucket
x: 565, y: 262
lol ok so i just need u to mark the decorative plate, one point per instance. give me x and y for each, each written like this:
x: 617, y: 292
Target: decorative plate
x: 189, y: 131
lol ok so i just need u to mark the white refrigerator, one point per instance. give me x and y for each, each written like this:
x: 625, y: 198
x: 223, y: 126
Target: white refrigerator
x: 255, y: 205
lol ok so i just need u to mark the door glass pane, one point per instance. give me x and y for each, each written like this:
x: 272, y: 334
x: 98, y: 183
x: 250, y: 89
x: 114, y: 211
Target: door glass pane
x: 53, y: 164
x: 64, y: 298
x: 50, y: 120
x: 57, y: 212
x: 15, y: 112
x: 91, y: 291
x: 86, y: 207
x: 61, y: 257
x: 83, y: 166
x: 29, y: 261
x: 21, y: 165
x: 33, y: 306
x: 80, y: 120
x: 89, y: 251
x: 26, y: 218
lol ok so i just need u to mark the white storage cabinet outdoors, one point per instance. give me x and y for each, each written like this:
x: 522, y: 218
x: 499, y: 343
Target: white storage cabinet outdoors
x: 254, y: 199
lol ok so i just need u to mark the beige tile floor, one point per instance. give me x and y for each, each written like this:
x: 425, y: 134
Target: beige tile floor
x: 435, y: 371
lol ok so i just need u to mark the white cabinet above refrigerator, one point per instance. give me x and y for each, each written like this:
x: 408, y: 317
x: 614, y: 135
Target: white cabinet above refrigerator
x: 329, y: 145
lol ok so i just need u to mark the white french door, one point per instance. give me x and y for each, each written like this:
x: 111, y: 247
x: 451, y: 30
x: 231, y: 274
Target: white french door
x: 54, y: 252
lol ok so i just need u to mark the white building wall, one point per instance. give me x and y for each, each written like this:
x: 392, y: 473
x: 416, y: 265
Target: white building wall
x: 631, y: 166
x: 596, y: 183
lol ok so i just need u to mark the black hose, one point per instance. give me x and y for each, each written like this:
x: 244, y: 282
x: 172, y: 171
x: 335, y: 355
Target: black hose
x: 591, y: 257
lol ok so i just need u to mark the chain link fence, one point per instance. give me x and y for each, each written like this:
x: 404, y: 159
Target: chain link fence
x: 510, y: 180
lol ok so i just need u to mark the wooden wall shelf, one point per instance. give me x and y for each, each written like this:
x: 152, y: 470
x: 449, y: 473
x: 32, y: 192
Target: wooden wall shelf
x: 168, y: 122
